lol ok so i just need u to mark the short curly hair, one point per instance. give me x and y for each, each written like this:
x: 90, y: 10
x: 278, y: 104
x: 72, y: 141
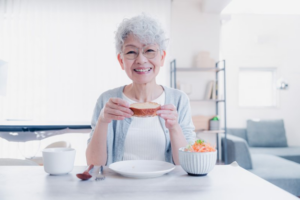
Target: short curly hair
x: 145, y: 28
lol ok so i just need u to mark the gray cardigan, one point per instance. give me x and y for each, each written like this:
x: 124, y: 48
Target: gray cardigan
x: 117, y: 129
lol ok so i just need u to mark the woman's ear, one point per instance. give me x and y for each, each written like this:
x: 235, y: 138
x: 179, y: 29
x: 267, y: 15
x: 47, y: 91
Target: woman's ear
x: 163, y: 56
x: 120, y: 61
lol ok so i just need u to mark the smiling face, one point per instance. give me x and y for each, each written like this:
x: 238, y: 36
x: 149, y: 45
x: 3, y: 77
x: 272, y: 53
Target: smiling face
x: 140, y: 61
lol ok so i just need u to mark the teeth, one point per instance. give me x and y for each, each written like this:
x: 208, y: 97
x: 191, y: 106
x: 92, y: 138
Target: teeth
x: 142, y: 70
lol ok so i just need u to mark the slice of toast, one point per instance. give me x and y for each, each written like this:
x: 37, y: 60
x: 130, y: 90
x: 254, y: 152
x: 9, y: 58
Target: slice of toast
x: 147, y: 109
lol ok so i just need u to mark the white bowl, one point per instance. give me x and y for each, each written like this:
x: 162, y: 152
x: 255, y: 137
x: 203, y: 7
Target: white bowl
x: 197, y: 163
x: 58, y: 161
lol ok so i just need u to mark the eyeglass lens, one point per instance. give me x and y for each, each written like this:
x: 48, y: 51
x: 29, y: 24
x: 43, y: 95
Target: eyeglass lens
x: 132, y: 53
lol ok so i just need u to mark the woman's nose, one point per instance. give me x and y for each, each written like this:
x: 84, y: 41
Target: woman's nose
x: 140, y: 59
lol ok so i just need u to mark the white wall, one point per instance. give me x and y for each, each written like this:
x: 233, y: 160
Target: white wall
x: 193, y: 31
x: 264, y: 41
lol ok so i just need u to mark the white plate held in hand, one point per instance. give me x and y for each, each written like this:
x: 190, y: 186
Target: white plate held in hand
x: 141, y: 168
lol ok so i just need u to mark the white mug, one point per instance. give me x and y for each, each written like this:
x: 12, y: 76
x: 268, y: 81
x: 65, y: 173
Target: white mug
x: 58, y: 161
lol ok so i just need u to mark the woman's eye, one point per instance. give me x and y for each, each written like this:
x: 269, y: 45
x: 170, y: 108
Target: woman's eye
x: 150, y: 50
x: 131, y: 52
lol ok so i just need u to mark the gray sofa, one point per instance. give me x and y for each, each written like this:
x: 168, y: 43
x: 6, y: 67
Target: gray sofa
x: 262, y: 149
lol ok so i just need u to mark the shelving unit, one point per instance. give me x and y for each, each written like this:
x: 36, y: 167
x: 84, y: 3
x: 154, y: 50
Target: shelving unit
x: 173, y: 79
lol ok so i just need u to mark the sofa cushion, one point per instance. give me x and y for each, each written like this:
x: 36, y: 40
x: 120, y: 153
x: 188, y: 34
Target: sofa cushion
x: 239, y: 132
x: 266, y: 133
x: 290, y: 153
x: 281, y: 172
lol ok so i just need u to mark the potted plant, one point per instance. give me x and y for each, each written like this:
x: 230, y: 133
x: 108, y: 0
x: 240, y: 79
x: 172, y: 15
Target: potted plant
x: 214, y: 123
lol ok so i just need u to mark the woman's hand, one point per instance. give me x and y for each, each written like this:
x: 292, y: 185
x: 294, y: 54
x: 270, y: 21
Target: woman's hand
x: 115, y: 109
x: 170, y: 115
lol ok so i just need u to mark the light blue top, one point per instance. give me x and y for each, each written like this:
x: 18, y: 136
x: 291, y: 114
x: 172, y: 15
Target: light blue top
x: 117, y: 129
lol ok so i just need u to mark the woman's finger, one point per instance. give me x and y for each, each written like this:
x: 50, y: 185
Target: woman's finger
x: 117, y: 112
x: 119, y: 102
x: 171, y: 121
x: 167, y: 112
x: 164, y: 112
x: 168, y: 107
x: 121, y: 108
x: 116, y: 117
x: 169, y: 116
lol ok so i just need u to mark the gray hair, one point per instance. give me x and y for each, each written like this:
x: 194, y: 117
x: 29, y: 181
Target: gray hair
x: 145, y: 28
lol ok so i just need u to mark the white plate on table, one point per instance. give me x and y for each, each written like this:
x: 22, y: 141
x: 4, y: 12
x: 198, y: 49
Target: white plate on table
x: 141, y: 168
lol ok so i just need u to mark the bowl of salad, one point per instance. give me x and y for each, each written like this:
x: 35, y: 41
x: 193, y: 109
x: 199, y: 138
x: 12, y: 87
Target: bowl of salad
x: 198, y: 159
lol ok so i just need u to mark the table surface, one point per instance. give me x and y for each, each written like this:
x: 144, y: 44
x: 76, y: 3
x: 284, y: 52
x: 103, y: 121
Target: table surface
x: 223, y: 182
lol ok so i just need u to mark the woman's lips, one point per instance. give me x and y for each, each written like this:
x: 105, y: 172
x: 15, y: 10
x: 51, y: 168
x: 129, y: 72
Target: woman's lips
x: 143, y: 71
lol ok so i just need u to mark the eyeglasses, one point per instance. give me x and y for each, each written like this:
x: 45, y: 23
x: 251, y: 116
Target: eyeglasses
x: 131, y: 52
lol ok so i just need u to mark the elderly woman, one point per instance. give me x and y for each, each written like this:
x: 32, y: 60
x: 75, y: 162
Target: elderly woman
x: 116, y: 135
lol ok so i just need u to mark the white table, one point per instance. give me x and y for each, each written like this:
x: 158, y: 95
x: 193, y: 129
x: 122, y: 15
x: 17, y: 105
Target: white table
x: 224, y: 182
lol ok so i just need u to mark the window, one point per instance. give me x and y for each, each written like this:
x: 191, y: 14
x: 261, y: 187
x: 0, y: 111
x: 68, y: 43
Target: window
x: 61, y: 56
x: 257, y: 87
x: 57, y: 57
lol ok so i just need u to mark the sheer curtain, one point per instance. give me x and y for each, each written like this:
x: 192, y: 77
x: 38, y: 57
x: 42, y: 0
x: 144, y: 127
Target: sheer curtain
x: 61, y: 54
